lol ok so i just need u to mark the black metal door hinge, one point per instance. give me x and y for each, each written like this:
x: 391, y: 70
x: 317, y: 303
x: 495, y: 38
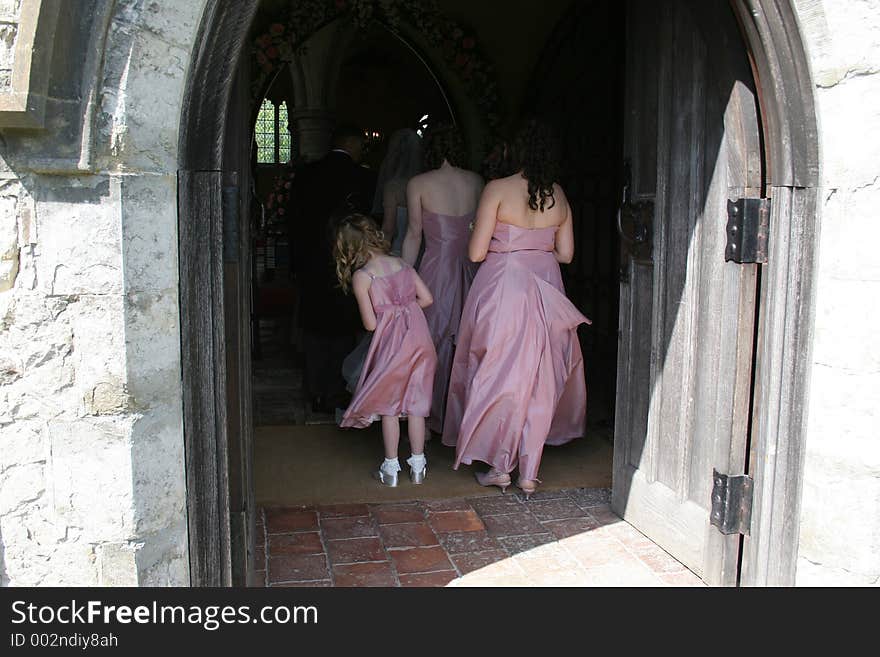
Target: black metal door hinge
x: 731, y: 503
x: 748, y: 229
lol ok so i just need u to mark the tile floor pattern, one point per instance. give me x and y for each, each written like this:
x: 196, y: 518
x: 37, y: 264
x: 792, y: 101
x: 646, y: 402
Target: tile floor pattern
x: 557, y: 538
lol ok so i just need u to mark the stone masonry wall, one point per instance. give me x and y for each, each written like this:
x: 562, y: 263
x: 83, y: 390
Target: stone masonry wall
x: 92, y: 487
x: 840, y: 523
x: 10, y: 11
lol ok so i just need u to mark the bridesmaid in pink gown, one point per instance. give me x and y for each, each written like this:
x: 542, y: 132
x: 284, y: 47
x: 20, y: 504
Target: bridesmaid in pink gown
x: 441, y: 204
x: 398, y: 373
x: 518, y: 375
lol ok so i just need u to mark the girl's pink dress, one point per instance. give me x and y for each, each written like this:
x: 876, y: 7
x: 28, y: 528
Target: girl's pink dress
x: 518, y: 375
x: 448, y: 273
x: 398, y: 373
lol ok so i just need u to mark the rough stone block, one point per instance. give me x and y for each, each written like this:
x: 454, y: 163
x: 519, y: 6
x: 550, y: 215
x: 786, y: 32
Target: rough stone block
x: 162, y: 559
x: 8, y: 242
x: 846, y: 328
x: 117, y: 564
x: 98, y: 354
x: 91, y: 476
x: 149, y: 232
x: 143, y: 87
x: 23, y: 443
x: 849, y: 113
x: 843, y: 411
x: 152, y: 347
x: 840, y: 524
x: 21, y: 484
x: 157, y: 467
x: 79, y: 245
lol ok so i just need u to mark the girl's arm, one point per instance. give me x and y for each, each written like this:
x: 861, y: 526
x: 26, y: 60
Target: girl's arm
x: 423, y: 295
x: 564, y: 249
x: 389, y: 209
x: 360, y: 284
x: 413, y: 239
x: 484, y: 225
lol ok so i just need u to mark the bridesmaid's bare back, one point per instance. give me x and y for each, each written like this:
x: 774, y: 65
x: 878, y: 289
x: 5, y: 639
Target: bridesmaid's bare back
x: 506, y: 201
x: 514, y: 206
x: 448, y: 190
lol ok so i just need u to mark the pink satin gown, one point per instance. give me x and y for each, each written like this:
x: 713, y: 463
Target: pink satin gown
x: 448, y: 273
x: 518, y: 377
x: 398, y: 374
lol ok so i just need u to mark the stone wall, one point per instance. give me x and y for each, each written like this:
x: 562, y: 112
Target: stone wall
x: 9, y: 19
x: 92, y: 487
x: 840, y: 523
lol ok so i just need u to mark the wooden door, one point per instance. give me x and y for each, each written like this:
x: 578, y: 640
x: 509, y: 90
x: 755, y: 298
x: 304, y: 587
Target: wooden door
x: 237, y: 304
x: 691, y: 138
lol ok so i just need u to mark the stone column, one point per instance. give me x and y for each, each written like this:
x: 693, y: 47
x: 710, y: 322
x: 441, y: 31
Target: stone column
x: 314, y: 129
x: 315, y: 73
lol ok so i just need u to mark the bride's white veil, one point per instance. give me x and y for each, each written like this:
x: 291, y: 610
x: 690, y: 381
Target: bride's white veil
x: 403, y: 160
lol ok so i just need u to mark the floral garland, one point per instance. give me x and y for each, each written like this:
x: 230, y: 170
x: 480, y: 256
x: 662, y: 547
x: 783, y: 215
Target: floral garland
x: 457, y: 44
x: 278, y: 198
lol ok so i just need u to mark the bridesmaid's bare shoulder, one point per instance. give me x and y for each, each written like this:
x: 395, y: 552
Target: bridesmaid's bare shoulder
x: 496, y: 186
x: 418, y: 181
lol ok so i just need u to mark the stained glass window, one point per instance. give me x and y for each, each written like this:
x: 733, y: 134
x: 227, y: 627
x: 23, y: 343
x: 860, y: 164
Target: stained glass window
x: 283, y: 135
x: 272, y: 133
x: 265, y: 133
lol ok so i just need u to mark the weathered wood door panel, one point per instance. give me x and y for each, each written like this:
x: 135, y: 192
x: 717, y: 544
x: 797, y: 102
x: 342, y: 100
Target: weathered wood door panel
x: 686, y: 315
x: 237, y: 290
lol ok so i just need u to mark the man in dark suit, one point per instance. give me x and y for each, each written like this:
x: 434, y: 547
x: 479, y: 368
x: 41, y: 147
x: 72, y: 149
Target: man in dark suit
x: 324, y: 192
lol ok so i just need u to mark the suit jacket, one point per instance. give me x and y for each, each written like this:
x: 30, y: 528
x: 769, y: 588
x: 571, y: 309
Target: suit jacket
x: 323, y: 192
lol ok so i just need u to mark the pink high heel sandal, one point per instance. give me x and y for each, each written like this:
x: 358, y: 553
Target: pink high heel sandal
x: 493, y: 478
x: 528, y: 486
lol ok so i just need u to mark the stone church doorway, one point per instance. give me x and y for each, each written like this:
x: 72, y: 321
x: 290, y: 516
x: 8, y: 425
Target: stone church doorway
x: 678, y: 109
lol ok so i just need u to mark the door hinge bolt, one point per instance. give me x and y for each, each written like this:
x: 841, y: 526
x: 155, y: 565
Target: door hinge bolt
x: 748, y: 230
x: 731, y: 503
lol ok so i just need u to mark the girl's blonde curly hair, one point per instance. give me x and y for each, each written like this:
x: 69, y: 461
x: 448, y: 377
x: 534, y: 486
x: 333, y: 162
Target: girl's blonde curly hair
x: 357, y: 237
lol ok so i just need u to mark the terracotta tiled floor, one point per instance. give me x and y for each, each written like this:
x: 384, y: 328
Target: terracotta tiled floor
x: 557, y: 538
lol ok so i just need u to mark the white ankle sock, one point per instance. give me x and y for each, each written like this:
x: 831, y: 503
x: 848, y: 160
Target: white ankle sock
x: 417, y: 462
x: 391, y: 466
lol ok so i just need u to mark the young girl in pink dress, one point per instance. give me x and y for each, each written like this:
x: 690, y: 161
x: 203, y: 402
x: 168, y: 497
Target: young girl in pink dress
x: 398, y: 373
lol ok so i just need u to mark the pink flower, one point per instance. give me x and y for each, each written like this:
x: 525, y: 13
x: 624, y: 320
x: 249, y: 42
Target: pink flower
x: 272, y: 52
x: 280, y: 212
x: 261, y: 58
x: 276, y: 28
x: 461, y: 60
x: 468, y: 42
x: 264, y: 40
x: 287, y: 185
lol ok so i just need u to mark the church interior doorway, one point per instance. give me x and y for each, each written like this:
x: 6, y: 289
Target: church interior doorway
x: 376, y: 80
x: 661, y: 117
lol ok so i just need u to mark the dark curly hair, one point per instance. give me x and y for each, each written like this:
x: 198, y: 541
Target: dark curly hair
x: 443, y: 142
x: 537, y: 152
x: 499, y: 161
